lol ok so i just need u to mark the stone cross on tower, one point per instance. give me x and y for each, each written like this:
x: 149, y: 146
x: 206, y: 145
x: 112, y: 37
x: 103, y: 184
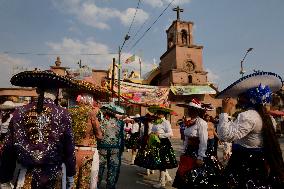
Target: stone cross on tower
x: 178, y: 10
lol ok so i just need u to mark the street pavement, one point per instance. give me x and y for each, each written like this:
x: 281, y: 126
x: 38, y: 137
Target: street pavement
x: 134, y: 177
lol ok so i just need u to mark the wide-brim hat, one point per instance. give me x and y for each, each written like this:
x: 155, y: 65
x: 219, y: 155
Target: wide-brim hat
x: 42, y: 79
x: 272, y: 80
x: 112, y: 108
x: 81, y: 86
x: 194, y: 103
x: 159, y: 108
x: 7, y: 105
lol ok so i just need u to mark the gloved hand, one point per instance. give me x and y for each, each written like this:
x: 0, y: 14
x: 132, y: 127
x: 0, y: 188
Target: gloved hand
x: 6, y: 185
x: 69, y: 182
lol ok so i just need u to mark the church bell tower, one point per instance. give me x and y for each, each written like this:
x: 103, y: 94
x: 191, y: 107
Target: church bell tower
x: 182, y: 63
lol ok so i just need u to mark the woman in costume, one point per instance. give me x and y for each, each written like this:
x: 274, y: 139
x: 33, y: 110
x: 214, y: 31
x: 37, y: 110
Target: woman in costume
x: 133, y: 142
x: 165, y: 156
x: 145, y: 131
x: 112, y: 144
x: 197, y: 168
x: 256, y: 160
x: 39, y: 138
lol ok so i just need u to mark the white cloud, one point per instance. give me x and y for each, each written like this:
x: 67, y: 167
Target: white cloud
x: 127, y: 16
x: 72, y: 48
x: 212, y: 77
x: 162, y: 3
x: 90, y: 14
x: 10, y: 65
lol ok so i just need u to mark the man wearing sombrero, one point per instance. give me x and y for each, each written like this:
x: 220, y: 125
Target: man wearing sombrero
x: 111, y: 145
x: 87, y: 131
x: 256, y: 160
x: 39, y: 137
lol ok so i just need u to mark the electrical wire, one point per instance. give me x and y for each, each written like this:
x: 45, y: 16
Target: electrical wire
x: 151, y: 25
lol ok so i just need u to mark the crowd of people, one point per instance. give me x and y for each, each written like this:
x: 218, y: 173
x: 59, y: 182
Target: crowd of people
x: 46, y: 146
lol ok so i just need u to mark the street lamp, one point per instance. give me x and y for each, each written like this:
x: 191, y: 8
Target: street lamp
x: 119, y: 65
x: 242, y: 61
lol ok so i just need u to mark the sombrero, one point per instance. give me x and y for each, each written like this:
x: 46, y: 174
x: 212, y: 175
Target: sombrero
x: 7, y: 105
x: 194, y: 103
x: 43, y: 79
x: 159, y: 108
x: 82, y: 86
x: 111, y: 107
x: 272, y: 80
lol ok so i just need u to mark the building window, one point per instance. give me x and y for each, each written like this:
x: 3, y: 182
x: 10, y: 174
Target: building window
x: 190, y: 79
x: 184, y: 37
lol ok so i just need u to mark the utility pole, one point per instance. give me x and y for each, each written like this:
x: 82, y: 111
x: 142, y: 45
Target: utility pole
x: 119, y: 65
x: 112, y: 77
x: 242, y: 61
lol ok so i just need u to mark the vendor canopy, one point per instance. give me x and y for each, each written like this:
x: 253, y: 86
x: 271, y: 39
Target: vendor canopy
x: 192, y: 89
x: 146, y: 95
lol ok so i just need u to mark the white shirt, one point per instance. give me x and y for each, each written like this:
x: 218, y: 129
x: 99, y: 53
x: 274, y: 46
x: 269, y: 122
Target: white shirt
x: 149, y: 129
x: 135, y: 128
x: 4, y: 126
x: 164, y: 129
x: 199, y: 129
x: 245, y: 130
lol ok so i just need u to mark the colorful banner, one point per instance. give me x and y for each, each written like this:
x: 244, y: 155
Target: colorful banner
x: 192, y: 89
x: 142, y: 94
x: 130, y: 59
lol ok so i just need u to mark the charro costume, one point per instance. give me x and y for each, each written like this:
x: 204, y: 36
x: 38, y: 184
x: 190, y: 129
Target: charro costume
x: 86, y: 130
x: 39, y: 138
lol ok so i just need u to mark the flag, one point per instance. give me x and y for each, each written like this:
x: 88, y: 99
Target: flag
x: 130, y: 59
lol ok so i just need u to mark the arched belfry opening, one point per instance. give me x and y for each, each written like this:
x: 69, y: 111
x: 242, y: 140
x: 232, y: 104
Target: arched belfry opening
x: 184, y: 37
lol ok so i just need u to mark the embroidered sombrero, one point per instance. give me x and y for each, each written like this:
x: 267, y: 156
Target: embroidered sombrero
x: 43, y: 79
x: 111, y: 107
x: 159, y: 108
x: 272, y: 80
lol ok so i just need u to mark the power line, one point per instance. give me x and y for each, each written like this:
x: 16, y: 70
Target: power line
x: 57, y: 54
x: 138, y: 4
x: 152, y: 25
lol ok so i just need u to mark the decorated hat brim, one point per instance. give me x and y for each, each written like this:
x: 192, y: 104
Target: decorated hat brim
x: 81, y: 86
x: 42, y: 79
x: 113, y: 109
x: 240, y: 86
x: 155, y: 109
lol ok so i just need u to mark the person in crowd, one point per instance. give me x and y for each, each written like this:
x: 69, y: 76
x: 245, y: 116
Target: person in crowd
x: 146, y: 128
x: 256, y: 160
x: 134, y: 137
x: 164, y: 152
x: 87, y: 131
x: 211, y: 133
x: 190, y: 174
x: 6, y: 110
x: 127, y: 131
x: 39, y: 138
x: 112, y: 144
x: 181, y: 124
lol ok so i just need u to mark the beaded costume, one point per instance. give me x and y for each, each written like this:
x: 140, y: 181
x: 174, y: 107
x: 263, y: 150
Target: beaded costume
x: 110, y: 150
x: 39, y: 143
x: 87, y: 158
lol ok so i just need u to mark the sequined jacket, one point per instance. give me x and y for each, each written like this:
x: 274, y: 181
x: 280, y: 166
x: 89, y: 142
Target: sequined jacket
x: 38, y: 140
x: 113, y: 136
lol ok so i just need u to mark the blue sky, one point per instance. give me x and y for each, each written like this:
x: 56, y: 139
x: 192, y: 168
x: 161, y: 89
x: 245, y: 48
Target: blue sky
x: 226, y: 29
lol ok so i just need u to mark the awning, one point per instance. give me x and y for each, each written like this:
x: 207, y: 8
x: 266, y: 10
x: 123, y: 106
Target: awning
x: 192, y: 89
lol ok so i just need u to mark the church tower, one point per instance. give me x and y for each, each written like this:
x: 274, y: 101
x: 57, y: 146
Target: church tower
x: 182, y: 63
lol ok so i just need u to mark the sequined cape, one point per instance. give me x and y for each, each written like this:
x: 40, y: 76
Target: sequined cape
x: 38, y: 142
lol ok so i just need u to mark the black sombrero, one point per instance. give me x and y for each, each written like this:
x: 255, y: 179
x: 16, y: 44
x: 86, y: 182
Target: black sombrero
x: 272, y: 80
x: 42, y: 79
